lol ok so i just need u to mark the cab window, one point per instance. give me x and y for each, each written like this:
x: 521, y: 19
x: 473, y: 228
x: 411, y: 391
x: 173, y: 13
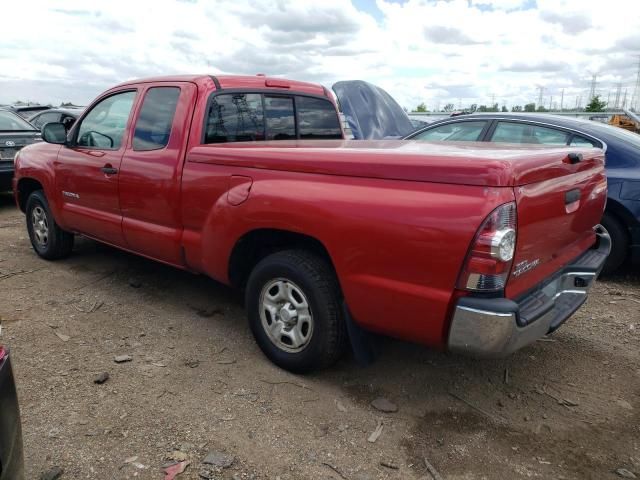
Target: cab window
x: 281, y: 124
x: 153, y: 126
x: 453, y: 132
x: 105, y: 124
x: 317, y: 118
x: 512, y: 132
x: 236, y: 117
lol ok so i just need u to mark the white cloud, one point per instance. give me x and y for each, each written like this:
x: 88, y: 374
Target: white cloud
x: 420, y: 51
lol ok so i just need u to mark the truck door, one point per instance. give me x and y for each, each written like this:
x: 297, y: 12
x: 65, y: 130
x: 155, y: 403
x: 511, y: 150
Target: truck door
x: 151, y: 171
x: 87, y: 169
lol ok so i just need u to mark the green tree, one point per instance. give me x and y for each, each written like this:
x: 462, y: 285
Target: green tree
x: 596, y: 105
x: 504, y: 108
x: 516, y: 108
x: 541, y: 109
x: 483, y: 108
x: 421, y: 108
x: 530, y: 107
x: 449, y: 107
x: 473, y: 107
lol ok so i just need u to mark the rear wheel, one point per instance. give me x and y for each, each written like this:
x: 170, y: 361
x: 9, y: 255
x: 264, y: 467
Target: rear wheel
x: 294, y: 308
x: 47, y: 238
x: 619, y: 243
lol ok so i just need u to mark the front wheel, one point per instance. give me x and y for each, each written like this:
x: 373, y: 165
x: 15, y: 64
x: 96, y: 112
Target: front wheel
x: 47, y: 239
x: 294, y: 308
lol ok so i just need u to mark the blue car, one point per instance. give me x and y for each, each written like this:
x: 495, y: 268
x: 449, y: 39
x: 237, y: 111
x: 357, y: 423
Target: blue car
x: 622, y: 215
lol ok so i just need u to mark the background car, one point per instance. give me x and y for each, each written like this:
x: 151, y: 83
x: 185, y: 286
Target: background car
x: 26, y: 111
x: 15, y: 133
x: 67, y: 116
x: 11, y: 457
x: 622, y: 214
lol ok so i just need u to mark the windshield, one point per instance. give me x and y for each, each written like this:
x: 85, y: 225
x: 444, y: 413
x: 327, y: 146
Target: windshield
x: 12, y: 122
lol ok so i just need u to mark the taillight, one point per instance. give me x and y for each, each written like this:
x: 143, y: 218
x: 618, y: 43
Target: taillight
x: 3, y: 353
x: 488, y: 262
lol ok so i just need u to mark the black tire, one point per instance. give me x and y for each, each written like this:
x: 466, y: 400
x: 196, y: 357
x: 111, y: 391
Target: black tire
x: 619, y: 243
x: 57, y: 243
x: 316, y: 281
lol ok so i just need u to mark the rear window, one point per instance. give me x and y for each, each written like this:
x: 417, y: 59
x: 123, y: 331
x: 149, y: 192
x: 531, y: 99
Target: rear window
x: 317, y: 119
x: 244, y: 117
x: 12, y: 122
x: 465, y: 131
x: 235, y: 117
x: 45, y: 118
x: 281, y: 124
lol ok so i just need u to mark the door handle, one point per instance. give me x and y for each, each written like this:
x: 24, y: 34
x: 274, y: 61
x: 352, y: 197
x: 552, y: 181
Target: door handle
x: 109, y: 170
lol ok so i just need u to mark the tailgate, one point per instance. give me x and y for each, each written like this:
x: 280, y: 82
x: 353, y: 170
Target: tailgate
x: 556, y: 216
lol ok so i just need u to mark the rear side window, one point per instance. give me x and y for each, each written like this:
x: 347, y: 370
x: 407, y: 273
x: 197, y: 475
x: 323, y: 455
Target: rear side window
x: 317, y: 119
x: 45, y: 118
x: 578, y: 141
x: 153, y: 126
x: 511, y: 132
x: 453, y: 132
x: 235, y: 118
x: 281, y: 123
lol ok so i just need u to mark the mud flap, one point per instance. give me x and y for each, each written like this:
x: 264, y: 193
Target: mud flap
x: 364, y: 344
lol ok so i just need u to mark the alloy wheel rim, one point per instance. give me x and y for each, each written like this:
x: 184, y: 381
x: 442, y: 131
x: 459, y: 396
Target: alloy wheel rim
x: 40, y: 225
x: 285, y: 315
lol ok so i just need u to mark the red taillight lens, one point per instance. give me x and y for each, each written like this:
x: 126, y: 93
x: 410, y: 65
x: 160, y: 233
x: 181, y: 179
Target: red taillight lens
x: 488, y: 262
x: 3, y: 353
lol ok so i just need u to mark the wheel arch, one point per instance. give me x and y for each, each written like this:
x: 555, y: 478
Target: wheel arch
x: 256, y: 244
x: 620, y: 213
x: 26, y: 186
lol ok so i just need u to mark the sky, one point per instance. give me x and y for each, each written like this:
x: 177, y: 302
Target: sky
x: 436, y: 52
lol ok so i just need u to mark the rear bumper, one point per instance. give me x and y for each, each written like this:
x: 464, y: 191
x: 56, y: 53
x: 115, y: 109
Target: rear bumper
x: 11, y: 456
x: 495, y: 327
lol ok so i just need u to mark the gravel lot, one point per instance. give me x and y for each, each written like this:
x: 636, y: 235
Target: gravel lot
x: 567, y: 407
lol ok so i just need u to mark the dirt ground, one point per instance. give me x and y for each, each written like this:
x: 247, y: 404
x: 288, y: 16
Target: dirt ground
x: 568, y: 407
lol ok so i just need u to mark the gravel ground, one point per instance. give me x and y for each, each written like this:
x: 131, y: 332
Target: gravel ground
x: 567, y: 407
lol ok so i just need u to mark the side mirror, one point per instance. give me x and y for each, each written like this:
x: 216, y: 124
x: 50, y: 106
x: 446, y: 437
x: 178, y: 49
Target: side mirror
x: 54, y: 132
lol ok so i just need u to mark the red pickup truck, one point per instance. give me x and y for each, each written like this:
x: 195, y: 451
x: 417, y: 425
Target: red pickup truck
x: 474, y: 248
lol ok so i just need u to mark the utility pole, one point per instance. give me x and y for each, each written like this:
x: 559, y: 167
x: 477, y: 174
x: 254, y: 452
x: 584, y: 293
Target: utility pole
x: 550, y: 100
x: 540, y: 93
x: 618, y: 90
x: 624, y: 99
x: 561, y: 99
x: 635, y: 99
x: 594, y: 79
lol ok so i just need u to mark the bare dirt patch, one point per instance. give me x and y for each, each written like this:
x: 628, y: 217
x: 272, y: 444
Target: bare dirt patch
x: 567, y: 407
